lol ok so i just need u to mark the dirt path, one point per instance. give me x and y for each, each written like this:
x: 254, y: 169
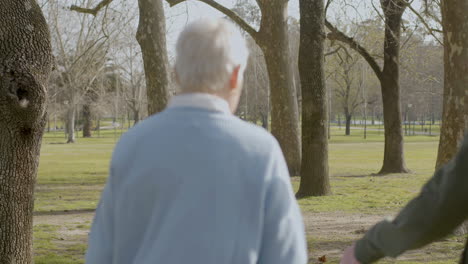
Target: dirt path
x: 67, y: 222
x: 64, y: 218
x: 328, y: 234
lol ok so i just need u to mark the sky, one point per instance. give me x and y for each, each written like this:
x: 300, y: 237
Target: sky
x: 341, y: 11
x: 180, y: 15
x: 344, y: 10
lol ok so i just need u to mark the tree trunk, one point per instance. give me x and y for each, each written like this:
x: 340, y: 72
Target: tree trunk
x: 98, y: 127
x: 265, y: 121
x: 25, y: 63
x: 455, y: 24
x: 373, y: 117
x: 151, y: 36
x: 71, y: 124
x: 314, y: 169
x: 394, y: 161
x: 48, y: 123
x: 274, y: 43
x: 129, y: 120
x: 136, y: 117
x: 348, y: 124
x: 87, y: 121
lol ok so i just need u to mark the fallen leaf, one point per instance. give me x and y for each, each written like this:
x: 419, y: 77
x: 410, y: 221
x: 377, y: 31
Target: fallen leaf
x: 322, y: 259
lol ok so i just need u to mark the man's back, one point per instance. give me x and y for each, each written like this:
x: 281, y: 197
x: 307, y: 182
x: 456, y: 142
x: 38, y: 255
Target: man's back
x: 192, y: 185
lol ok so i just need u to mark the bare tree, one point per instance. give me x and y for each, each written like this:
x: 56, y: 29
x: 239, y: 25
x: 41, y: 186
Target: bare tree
x: 89, y: 98
x: 81, y: 59
x: 272, y: 38
x: 134, y: 83
x: 394, y: 161
x: 349, y: 81
x: 254, y: 104
x: 25, y: 64
x: 151, y: 36
x: 314, y: 169
x: 455, y: 113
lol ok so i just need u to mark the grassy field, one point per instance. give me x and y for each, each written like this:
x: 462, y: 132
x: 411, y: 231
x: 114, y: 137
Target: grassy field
x: 71, y: 178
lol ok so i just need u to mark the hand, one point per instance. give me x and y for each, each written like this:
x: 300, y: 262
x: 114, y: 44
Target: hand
x: 349, y: 257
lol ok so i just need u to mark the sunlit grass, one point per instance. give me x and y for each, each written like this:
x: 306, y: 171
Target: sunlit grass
x: 71, y: 177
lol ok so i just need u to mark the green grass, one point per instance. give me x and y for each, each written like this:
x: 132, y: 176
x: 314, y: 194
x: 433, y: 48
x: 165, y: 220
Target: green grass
x: 50, y: 249
x: 71, y: 177
x: 352, y: 162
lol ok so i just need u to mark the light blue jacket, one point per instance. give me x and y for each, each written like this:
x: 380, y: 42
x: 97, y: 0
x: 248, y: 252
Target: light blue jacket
x: 196, y: 185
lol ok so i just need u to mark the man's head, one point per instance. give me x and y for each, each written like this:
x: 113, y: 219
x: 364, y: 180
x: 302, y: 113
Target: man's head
x: 211, y: 58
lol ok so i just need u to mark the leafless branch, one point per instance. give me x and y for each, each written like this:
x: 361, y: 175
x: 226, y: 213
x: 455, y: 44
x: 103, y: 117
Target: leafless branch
x: 94, y: 11
x: 336, y: 34
x: 377, y: 11
x: 426, y: 25
x: 226, y: 11
x: 409, y: 38
x: 333, y: 51
x: 327, y: 5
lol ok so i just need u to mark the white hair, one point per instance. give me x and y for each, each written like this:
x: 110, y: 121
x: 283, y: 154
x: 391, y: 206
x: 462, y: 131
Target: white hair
x: 208, y: 51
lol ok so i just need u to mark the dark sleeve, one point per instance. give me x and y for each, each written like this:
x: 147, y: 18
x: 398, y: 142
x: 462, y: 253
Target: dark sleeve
x: 439, y: 209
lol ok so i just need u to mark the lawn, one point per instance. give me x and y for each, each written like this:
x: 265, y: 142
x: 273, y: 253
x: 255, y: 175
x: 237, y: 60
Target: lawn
x: 71, y: 178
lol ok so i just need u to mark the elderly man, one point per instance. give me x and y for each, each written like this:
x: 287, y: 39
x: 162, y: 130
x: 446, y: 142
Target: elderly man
x: 195, y: 184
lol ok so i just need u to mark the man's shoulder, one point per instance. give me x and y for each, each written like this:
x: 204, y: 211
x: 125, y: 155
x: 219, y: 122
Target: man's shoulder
x: 145, y: 126
x: 252, y: 142
x: 137, y: 133
x: 252, y: 133
x: 228, y: 129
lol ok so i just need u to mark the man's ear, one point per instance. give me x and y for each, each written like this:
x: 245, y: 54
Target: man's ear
x: 234, y: 81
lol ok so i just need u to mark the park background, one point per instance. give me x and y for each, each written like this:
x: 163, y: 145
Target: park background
x: 99, y: 90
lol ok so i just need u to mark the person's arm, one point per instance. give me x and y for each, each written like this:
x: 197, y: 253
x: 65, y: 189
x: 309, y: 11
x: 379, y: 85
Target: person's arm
x: 438, y: 210
x: 283, y: 239
x: 101, y: 236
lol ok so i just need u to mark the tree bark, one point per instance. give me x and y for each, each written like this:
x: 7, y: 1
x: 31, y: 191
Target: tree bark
x: 274, y: 42
x: 71, y: 124
x: 136, y: 116
x: 394, y: 160
x: 151, y: 36
x: 348, y: 124
x: 25, y: 64
x: 455, y: 109
x: 87, y: 121
x: 314, y: 169
x: 265, y: 121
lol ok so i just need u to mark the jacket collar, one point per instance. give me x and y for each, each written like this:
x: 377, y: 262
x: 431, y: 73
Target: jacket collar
x: 200, y: 100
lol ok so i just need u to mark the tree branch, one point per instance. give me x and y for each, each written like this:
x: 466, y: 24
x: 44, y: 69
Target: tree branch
x: 327, y: 5
x: 226, y: 11
x: 336, y: 34
x: 92, y: 11
x: 426, y: 25
x: 332, y: 52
